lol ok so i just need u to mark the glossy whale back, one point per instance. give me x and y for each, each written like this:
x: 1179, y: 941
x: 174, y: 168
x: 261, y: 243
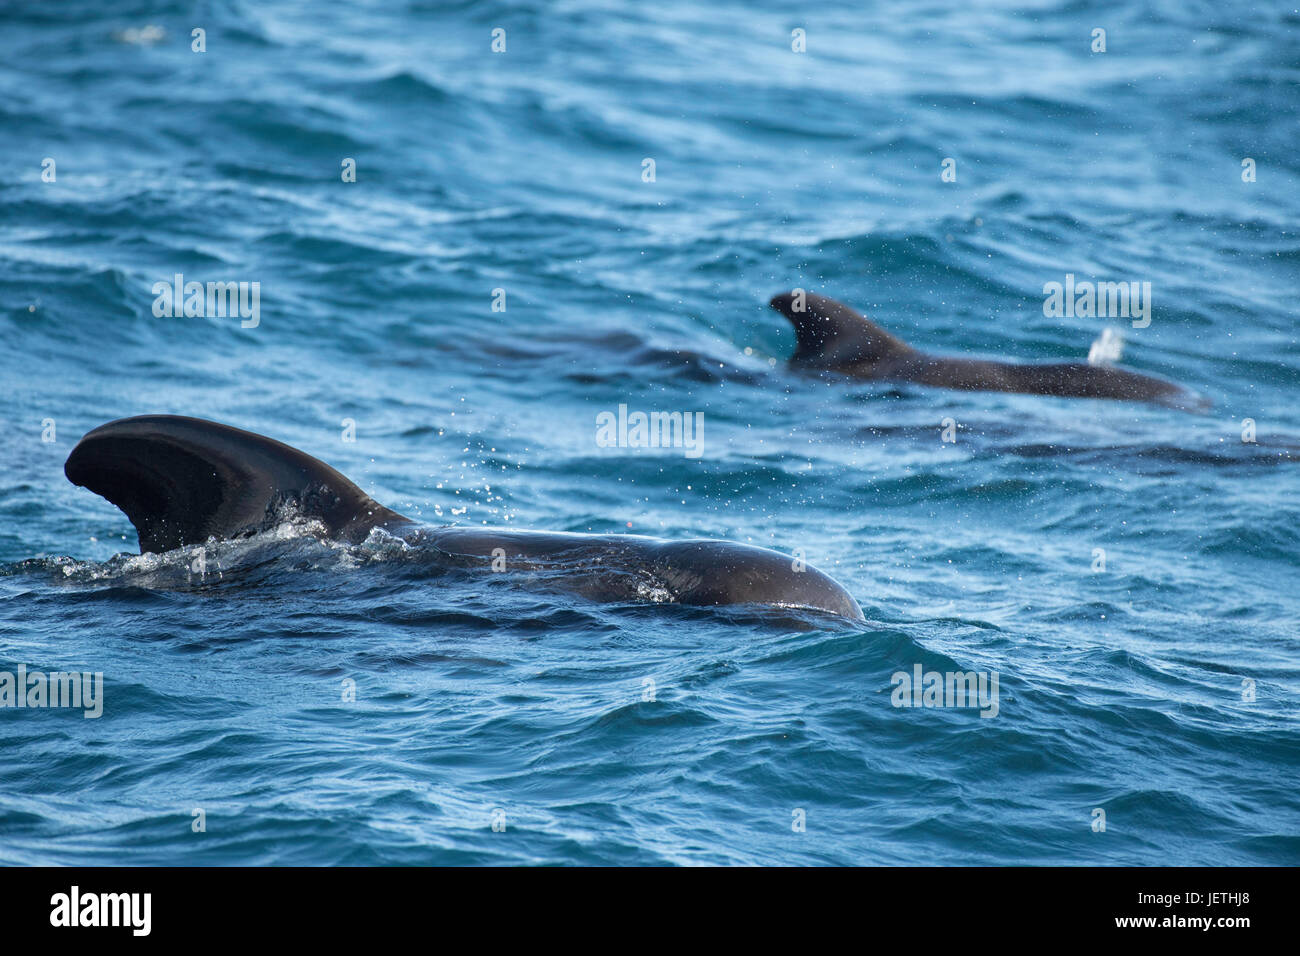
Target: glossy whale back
x: 182, y: 481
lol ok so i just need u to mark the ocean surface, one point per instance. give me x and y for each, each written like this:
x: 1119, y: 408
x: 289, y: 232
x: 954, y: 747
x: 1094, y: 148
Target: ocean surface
x: 1129, y: 572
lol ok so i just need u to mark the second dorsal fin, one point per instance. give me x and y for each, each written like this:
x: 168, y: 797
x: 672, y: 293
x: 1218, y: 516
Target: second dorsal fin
x: 832, y: 335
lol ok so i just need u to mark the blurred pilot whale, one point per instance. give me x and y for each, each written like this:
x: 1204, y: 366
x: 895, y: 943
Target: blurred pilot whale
x: 183, y: 481
x: 833, y: 337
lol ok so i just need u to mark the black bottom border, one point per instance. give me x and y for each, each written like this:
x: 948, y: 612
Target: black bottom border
x: 961, y: 906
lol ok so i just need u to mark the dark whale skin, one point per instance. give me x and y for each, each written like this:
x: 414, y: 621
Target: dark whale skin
x: 183, y: 481
x: 833, y: 337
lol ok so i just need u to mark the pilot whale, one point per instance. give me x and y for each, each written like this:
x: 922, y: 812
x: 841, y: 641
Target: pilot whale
x: 833, y: 337
x: 184, y: 481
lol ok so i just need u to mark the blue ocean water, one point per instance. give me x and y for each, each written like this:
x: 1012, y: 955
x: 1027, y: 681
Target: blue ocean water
x: 1161, y: 690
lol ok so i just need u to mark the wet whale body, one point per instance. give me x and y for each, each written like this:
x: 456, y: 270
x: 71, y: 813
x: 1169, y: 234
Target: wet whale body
x: 833, y: 337
x: 184, y: 481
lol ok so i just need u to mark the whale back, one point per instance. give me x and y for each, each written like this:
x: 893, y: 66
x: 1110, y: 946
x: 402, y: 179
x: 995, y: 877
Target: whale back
x: 622, y: 567
x: 184, y: 480
x: 832, y: 335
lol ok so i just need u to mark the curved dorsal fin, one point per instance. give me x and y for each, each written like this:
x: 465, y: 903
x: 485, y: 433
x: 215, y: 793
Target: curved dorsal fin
x: 184, y: 480
x: 831, y: 335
